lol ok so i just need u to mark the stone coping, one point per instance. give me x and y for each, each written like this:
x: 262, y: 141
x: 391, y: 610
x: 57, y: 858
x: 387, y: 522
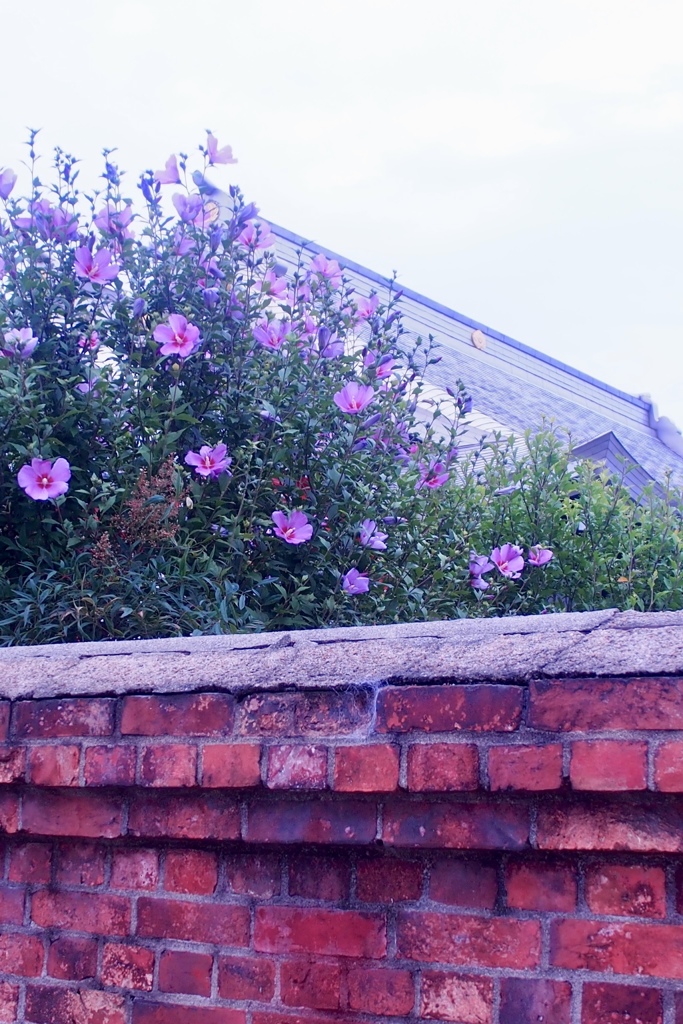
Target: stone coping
x: 513, y: 649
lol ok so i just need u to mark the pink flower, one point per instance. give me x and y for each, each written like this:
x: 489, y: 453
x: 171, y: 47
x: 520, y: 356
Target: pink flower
x: 8, y: 180
x: 539, y: 555
x: 293, y: 528
x: 89, y: 344
x: 216, y: 155
x: 19, y: 343
x: 274, y: 285
x: 365, y: 308
x: 432, y: 476
x: 354, y: 398
x: 177, y: 337
x: 271, y: 335
x: 370, y: 537
x: 209, y: 461
x: 42, y: 480
x: 256, y: 235
x: 50, y: 221
x: 329, y: 269
x: 329, y: 345
x: 354, y: 582
x: 479, y: 564
x: 509, y: 560
x: 169, y: 175
x: 111, y: 221
x: 98, y: 268
x: 190, y: 208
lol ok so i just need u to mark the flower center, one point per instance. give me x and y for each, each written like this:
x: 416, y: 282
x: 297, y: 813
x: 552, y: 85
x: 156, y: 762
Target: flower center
x: 44, y: 481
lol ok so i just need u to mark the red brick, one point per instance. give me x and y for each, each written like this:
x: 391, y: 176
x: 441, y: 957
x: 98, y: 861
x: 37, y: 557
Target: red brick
x: 457, y: 997
x: 110, y: 766
x: 72, y: 959
x: 315, y: 985
x: 246, y: 978
x: 169, y: 765
x: 371, y: 769
x: 231, y: 766
x: 628, y: 948
x: 526, y: 1000
x: 21, y: 954
x: 134, y: 868
x: 216, y: 923
x: 626, y: 890
x: 467, y: 941
x: 601, y: 1003
x: 162, y: 1013
x: 532, y: 885
x: 254, y: 874
x: 440, y: 767
x: 588, y: 705
x: 54, y: 766
x: 81, y: 912
x: 11, y: 905
x: 316, y: 713
x: 12, y: 764
x: 386, y: 880
x: 456, y: 826
x: 314, y: 821
x: 188, y: 973
x: 191, y: 816
x: 126, y: 966
x: 31, y: 862
x: 482, y: 707
x: 322, y: 932
x: 611, y: 826
x: 52, y: 1005
x: 276, y: 1017
x: 464, y: 883
x: 191, y: 871
x: 9, y: 1001
x: 297, y: 767
x: 5, y: 708
x: 388, y: 993
x: 669, y: 767
x: 533, y: 769
x: 679, y: 1008
x: 80, y: 864
x: 9, y: 812
x: 50, y: 719
x: 608, y: 765
x: 319, y: 878
x: 79, y: 814
x: 184, y: 714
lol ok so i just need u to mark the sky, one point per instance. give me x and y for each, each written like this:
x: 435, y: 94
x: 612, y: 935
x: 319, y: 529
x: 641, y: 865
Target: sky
x: 520, y: 163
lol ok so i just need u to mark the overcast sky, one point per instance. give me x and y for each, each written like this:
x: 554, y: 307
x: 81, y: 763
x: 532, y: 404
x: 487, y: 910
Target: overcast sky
x: 519, y: 162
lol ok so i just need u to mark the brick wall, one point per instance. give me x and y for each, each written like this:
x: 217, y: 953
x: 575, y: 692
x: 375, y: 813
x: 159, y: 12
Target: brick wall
x: 479, y: 854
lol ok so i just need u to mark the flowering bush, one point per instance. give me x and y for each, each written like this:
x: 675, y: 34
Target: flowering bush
x: 196, y: 438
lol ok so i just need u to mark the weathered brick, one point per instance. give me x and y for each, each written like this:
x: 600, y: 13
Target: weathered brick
x: 315, y: 713
x: 80, y: 864
x: 530, y: 768
x: 620, y: 1003
x: 168, y: 765
x: 79, y: 814
x: 315, y: 985
x: 97, y: 913
x: 387, y: 993
x: 322, y: 932
x: 668, y: 763
x: 611, y: 826
x: 31, y: 862
x: 72, y: 959
x: 188, y: 973
x: 319, y: 821
x: 464, y: 883
x: 191, y: 871
x: 534, y: 885
x: 626, y: 890
x: 5, y: 708
x: 443, y: 767
x: 277, y: 1017
x: 319, y: 878
x: 21, y: 954
x: 231, y: 766
x: 191, y: 816
x: 246, y: 978
x: 127, y: 966
x: 9, y: 812
x: 629, y: 948
x: 525, y: 1000
x: 457, y: 997
x: 183, y: 714
x: 50, y: 1004
x: 482, y: 707
x: 163, y: 1013
x: 679, y: 1008
x: 9, y: 1001
x: 215, y: 923
x: 54, y: 765
x: 11, y: 904
x: 12, y: 764
x: 50, y: 719
x: 297, y: 767
x: 134, y: 868
x: 110, y: 765
x: 608, y: 765
x: 587, y: 705
x: 369, y: 769
x: 386, y: 880
x: 254, y: 874
x: 467, y: 941
x: 458, y: 826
